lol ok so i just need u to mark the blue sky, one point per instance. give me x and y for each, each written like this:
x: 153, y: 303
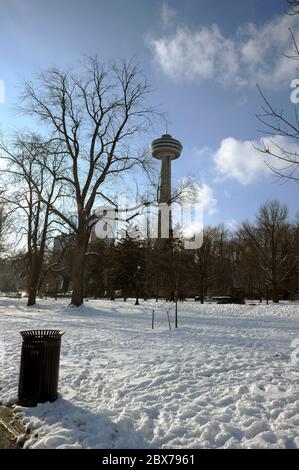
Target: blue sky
x: 202, y: 57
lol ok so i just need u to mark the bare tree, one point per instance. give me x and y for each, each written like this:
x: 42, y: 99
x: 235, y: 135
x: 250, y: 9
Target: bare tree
x: 5, y: 222
x: 94, y: 117
x: 33, y: 173
x: 273, y: 243
x: 284, y: 159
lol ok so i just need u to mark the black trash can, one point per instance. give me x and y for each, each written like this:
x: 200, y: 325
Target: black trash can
x: 38, y: 381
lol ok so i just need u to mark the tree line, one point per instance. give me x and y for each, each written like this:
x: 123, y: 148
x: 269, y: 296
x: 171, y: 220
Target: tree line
x: 259, y: 260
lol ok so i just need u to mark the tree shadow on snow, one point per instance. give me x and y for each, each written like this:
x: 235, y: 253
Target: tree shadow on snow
x: 63, y: 424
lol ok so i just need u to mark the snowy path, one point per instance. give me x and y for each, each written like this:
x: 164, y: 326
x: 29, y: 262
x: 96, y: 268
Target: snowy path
x: 223, y: 379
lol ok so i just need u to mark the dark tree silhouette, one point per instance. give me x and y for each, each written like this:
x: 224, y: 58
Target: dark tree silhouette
x: 33, y: 173
x: 284, y: 159
x: 94, y: 118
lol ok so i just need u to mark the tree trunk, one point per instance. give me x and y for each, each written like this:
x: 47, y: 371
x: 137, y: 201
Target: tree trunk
x: 275, y: 287
x: 78, y: 276
x: 32, y: 291
x: 78, y: 266
x: 275, y: 294
x: 33, y: 283
x: 202, y: 292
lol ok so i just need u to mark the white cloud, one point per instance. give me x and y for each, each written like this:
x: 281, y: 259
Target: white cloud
x: 200, y: 193
x: 196, y: 54
x: 207, y: 198
x: 253, y: 54
x: 262, y: 50
x: 168, y: 15
x: 196, y: 199
x: 236, y: 159
x: 241, y: 161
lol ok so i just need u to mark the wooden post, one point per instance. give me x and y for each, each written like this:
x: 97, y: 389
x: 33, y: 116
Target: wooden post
x: 153, y: 319
x: 168, y: 319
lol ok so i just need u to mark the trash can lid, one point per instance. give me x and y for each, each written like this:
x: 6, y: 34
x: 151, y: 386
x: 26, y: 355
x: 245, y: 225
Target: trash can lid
x: 41, y: 333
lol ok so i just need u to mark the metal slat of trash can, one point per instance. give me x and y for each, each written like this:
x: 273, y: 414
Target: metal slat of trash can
x: 38, y: 381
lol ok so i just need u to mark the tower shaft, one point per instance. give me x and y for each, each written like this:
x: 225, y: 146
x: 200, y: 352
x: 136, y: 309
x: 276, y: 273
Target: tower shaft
x: 165, y: 183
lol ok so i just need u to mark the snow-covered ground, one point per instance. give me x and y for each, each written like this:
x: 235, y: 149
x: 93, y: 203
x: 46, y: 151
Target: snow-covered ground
x: 224, y: 378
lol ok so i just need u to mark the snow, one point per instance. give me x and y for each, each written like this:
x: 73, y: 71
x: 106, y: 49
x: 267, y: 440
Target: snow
x: 223, y: 379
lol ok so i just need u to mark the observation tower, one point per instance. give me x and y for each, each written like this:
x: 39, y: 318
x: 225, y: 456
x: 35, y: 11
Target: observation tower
x: 165, y: 149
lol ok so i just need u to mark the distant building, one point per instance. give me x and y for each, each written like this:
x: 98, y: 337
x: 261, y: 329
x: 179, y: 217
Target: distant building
x: 62, y: 242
